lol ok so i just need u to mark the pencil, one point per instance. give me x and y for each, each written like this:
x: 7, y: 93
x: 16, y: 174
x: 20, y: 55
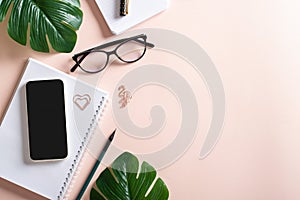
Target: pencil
x: 89, y: 178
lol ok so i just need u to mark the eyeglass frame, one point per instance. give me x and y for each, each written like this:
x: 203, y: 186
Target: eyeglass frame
x: 100, y: 48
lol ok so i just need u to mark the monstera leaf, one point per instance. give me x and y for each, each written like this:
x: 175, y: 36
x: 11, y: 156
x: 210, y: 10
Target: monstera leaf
x: 52, y: 20
x: 123, y: 182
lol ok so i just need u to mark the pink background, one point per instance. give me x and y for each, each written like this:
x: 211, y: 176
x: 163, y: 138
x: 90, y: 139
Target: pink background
x: 255, y: 47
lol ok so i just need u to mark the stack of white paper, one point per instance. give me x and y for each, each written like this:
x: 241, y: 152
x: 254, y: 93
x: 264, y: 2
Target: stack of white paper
x: 139, y: 10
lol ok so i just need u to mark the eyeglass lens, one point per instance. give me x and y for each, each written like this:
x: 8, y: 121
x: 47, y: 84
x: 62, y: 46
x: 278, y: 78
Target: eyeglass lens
x: 131, y: 51
x: 94, y: 61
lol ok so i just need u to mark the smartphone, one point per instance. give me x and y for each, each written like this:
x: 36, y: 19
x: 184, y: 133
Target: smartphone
x: 46, y: 120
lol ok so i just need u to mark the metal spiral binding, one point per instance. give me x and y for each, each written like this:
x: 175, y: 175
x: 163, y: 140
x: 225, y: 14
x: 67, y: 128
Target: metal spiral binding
x: 63, y: 193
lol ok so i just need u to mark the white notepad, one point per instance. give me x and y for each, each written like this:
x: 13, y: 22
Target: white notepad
x: 139, y: 10
x: 83, y: 104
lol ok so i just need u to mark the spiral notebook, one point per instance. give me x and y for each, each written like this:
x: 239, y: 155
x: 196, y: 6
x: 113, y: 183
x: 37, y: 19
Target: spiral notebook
x: 84, y: 105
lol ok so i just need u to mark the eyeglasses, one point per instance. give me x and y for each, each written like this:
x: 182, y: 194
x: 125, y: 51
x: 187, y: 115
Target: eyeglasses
x: 96, y: 59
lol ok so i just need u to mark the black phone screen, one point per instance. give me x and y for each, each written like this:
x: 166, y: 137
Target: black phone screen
x: 46, y: 119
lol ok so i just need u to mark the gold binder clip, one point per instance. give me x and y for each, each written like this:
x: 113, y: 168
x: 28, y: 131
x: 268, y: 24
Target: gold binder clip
x: 124, y: 7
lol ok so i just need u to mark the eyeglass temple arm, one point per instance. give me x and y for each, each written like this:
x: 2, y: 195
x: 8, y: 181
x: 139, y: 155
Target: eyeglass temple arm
x: 77, y: 63
x: 114, y: 43
x: 74, y: 67
x: 123, y: 40
x: 120, y: 41
x: 148, y: 44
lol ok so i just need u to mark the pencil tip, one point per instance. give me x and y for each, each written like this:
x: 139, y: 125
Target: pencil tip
x: 111, y: 137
